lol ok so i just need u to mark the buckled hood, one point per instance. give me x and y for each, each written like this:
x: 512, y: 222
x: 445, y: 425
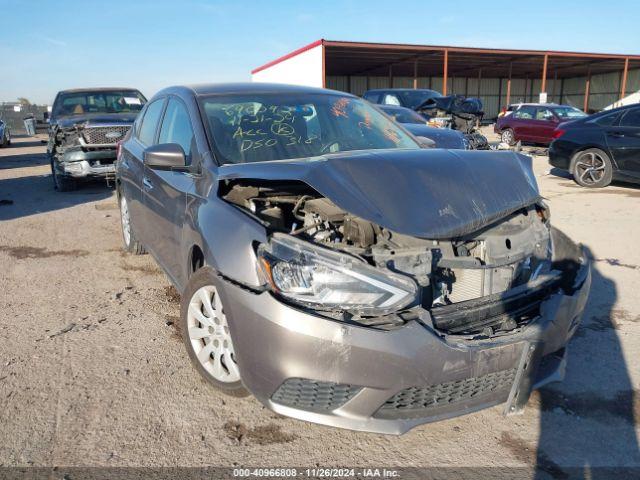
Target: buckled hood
x: 426, y: 193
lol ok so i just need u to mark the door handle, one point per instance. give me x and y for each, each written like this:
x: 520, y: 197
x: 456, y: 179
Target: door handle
x: 616, y: 134
x: 147, y: 184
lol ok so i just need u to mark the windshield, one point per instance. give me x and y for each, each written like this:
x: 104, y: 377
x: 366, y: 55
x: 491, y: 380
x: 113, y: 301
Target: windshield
x: 415, y: 98
x: 402, y: 115
x: 568, y: 112
x: 117, y: 101
x: 263, y: 127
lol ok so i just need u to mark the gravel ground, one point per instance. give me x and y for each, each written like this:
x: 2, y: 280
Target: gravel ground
x: 92, y: 371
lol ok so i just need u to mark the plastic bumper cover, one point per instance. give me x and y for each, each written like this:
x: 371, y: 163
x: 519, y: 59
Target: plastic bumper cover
x: 353, y: 377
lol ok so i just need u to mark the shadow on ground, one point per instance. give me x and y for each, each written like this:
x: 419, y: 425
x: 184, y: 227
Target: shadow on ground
x: 30, y: 195
x: 588, y: 421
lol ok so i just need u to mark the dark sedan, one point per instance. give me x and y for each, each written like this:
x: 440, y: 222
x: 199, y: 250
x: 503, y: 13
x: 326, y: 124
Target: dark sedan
x: 417, y: 125
x: 534, y: 123
x: 600, y: 148
x: 338, y: 271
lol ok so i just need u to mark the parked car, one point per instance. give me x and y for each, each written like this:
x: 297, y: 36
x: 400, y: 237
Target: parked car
x: 84, y: 128
x: 599, y: 148
x: 417, y: 125
x: 340, y: 273
x: 402, y: 97
x: 454, y: 112
x: 5, y: 134
x: 534, y: 122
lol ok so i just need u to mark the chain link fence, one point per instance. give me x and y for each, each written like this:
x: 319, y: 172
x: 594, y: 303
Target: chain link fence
x: 14, y: 115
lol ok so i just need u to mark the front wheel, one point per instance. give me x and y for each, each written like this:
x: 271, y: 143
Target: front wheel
x: 131, y: 244
x: 61, y: 182
x: 592, y: 168
x: 508, y: 136
x: 206, y: 334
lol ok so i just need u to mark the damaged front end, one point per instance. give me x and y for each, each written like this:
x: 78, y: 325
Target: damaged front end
x: 85, y: 148
x: 444, y: 286
x: 321, y: 257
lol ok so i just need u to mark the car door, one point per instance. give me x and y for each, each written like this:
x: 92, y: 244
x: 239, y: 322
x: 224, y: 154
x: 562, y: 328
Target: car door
x: 520, y: 122
x: 543, y: 125
x: 131, y: 157
x: 165, y: 191
x: 623, y: 140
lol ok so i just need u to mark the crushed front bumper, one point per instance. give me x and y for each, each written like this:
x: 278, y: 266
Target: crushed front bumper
x: 78, y: 163
x: 359, y: 378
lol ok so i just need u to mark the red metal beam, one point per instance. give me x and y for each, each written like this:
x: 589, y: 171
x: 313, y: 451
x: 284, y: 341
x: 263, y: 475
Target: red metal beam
x: 543, y: 88
x: 441, y: 48
x: 587, y: 88
x: 625, y: 73
x: 446, y: 72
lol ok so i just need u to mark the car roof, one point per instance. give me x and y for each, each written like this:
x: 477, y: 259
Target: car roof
x: 549, y: 105
x: 401, y: 90
x: 98, y: 89
x: 247, y: 87
x: 394, y: 107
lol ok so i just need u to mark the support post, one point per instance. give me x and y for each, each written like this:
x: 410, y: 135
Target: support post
x: 587, y: 87
x: 625, y: 73
x: 415, y: 74
x: 445, y: 75
x: 390, y: 76
x: 543, y: 88
x: 479, y: 80
x: 509, y: 86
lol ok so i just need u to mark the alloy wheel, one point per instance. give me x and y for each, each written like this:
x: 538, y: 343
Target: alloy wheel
x: 507, y: 137
x: 126, y: 222
x: 209, y: 335
x: 590, y: 167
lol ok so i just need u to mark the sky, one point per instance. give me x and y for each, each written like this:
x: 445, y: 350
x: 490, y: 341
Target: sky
x: 46, y: 46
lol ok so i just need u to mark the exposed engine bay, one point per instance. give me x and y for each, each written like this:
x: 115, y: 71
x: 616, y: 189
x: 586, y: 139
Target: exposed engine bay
x: 486, y: 266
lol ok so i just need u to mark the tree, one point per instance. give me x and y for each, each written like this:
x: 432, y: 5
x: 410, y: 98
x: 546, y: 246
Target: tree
x: 24, y: 101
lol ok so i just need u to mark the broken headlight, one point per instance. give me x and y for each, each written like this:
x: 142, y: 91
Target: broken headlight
x: 324, y: 279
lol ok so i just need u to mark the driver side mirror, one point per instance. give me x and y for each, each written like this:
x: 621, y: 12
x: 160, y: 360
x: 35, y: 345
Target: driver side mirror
x: 425, y: 142
x: 165, y: 156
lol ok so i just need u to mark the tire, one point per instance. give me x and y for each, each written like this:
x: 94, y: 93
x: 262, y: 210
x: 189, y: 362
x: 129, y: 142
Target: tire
x: 206, y: 335
x: 129, y: 240
x: 61, y: 182
x: 508, y: 136
x: 592, y: 168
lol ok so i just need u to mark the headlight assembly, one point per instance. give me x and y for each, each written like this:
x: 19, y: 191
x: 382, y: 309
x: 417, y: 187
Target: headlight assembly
x: 320, y: 278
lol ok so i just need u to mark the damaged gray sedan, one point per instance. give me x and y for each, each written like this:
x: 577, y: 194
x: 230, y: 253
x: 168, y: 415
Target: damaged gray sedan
x: 337, y: 271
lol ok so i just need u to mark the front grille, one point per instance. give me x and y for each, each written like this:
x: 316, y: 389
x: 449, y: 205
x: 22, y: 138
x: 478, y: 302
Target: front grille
x: 312, y: 395
x: 418, y: 402
x: 105, y: 135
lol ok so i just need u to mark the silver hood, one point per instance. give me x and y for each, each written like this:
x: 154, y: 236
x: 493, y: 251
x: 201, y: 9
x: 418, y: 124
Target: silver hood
x: 426, y: 193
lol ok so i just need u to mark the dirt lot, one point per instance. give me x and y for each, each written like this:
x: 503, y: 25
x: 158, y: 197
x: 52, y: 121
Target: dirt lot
x: 92, y: 371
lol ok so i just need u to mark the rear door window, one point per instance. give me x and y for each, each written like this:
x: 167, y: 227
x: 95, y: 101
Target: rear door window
x: 525, y: 113
x: 149, y: 125
x: 631, y: 118
x: 606, y: 120
x: 544, y: 114
x: 176, y: 127
x: 391, y: 99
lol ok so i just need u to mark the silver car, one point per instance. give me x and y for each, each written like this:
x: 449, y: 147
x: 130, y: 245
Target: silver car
x: 339, y: 272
